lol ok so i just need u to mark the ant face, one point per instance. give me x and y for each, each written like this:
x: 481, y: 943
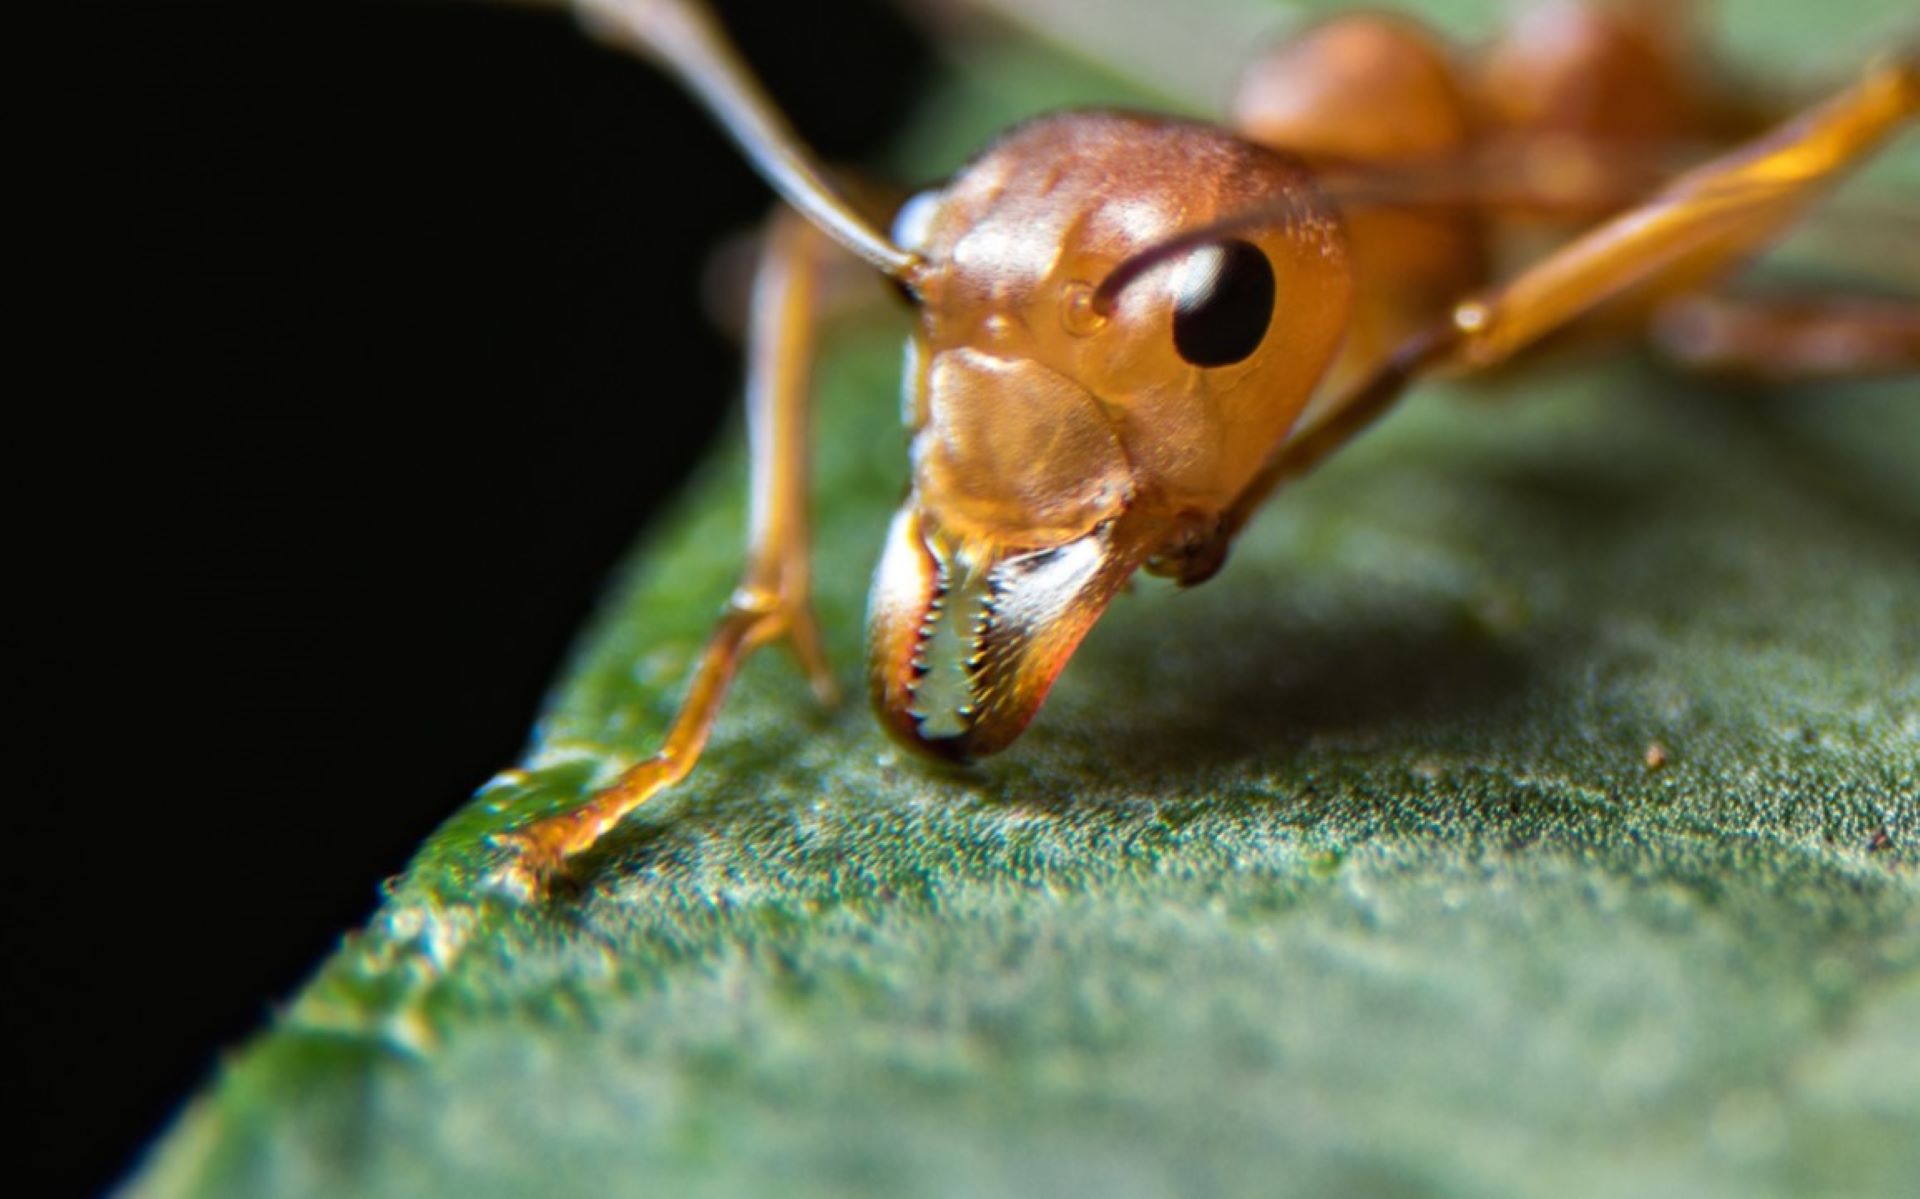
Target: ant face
x: 1063, y: 434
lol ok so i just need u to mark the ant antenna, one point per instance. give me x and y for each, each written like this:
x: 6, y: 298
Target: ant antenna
x: 683, y: 36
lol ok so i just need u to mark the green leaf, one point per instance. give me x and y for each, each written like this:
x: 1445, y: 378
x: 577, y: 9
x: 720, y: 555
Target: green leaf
x: 1344, y: 874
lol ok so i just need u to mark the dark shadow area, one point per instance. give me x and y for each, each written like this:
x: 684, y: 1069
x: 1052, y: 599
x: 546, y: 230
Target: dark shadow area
x: 1804, y: 454
x: 388, y: 319
x: 1364, y: 677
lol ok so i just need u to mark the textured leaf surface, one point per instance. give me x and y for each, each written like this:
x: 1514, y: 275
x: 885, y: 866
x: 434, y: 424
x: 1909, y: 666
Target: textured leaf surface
x: 1344, y: 874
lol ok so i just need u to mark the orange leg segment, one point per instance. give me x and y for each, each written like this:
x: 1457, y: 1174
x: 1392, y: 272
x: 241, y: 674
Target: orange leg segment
x: 1699, y: 227
x: 772, y: 601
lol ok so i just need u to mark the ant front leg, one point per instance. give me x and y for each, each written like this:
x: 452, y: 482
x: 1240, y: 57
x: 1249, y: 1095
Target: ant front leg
x: 1686, y: 237
x: 772, y: 601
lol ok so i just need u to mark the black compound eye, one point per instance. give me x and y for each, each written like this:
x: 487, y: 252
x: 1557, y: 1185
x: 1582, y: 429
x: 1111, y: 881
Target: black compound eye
x: 1223, y: 303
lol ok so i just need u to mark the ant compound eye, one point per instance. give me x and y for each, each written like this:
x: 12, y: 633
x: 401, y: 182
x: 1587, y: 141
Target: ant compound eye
x: 1223, y: 303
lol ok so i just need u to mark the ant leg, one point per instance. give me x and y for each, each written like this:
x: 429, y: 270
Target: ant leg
x: 1790, y: 338
x: 1698, y: 227
x: 1693, y: 231
x: 772, y: 601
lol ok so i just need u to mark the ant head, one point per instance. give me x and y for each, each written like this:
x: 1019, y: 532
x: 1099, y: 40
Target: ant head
x: 1121, y: 316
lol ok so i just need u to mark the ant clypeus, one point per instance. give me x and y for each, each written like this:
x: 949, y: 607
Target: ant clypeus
x: 1121, y: 318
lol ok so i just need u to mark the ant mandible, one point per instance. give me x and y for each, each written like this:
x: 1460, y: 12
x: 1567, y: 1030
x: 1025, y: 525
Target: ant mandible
x: 1121, y: 319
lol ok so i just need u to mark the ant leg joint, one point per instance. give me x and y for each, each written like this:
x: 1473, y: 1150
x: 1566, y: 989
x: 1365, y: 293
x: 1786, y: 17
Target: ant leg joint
x: 750, y: 599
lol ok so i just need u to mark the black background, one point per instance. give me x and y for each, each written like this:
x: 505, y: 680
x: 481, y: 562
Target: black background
x: 379, y: 326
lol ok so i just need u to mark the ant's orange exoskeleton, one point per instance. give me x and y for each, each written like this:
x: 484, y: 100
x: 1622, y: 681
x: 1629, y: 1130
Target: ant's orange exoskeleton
x: 1122, y: 318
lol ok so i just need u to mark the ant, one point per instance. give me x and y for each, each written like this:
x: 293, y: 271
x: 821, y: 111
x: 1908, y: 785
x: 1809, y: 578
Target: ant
x: 1131, y: 330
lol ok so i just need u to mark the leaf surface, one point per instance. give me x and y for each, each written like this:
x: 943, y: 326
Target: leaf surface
x: 1347, y: 873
